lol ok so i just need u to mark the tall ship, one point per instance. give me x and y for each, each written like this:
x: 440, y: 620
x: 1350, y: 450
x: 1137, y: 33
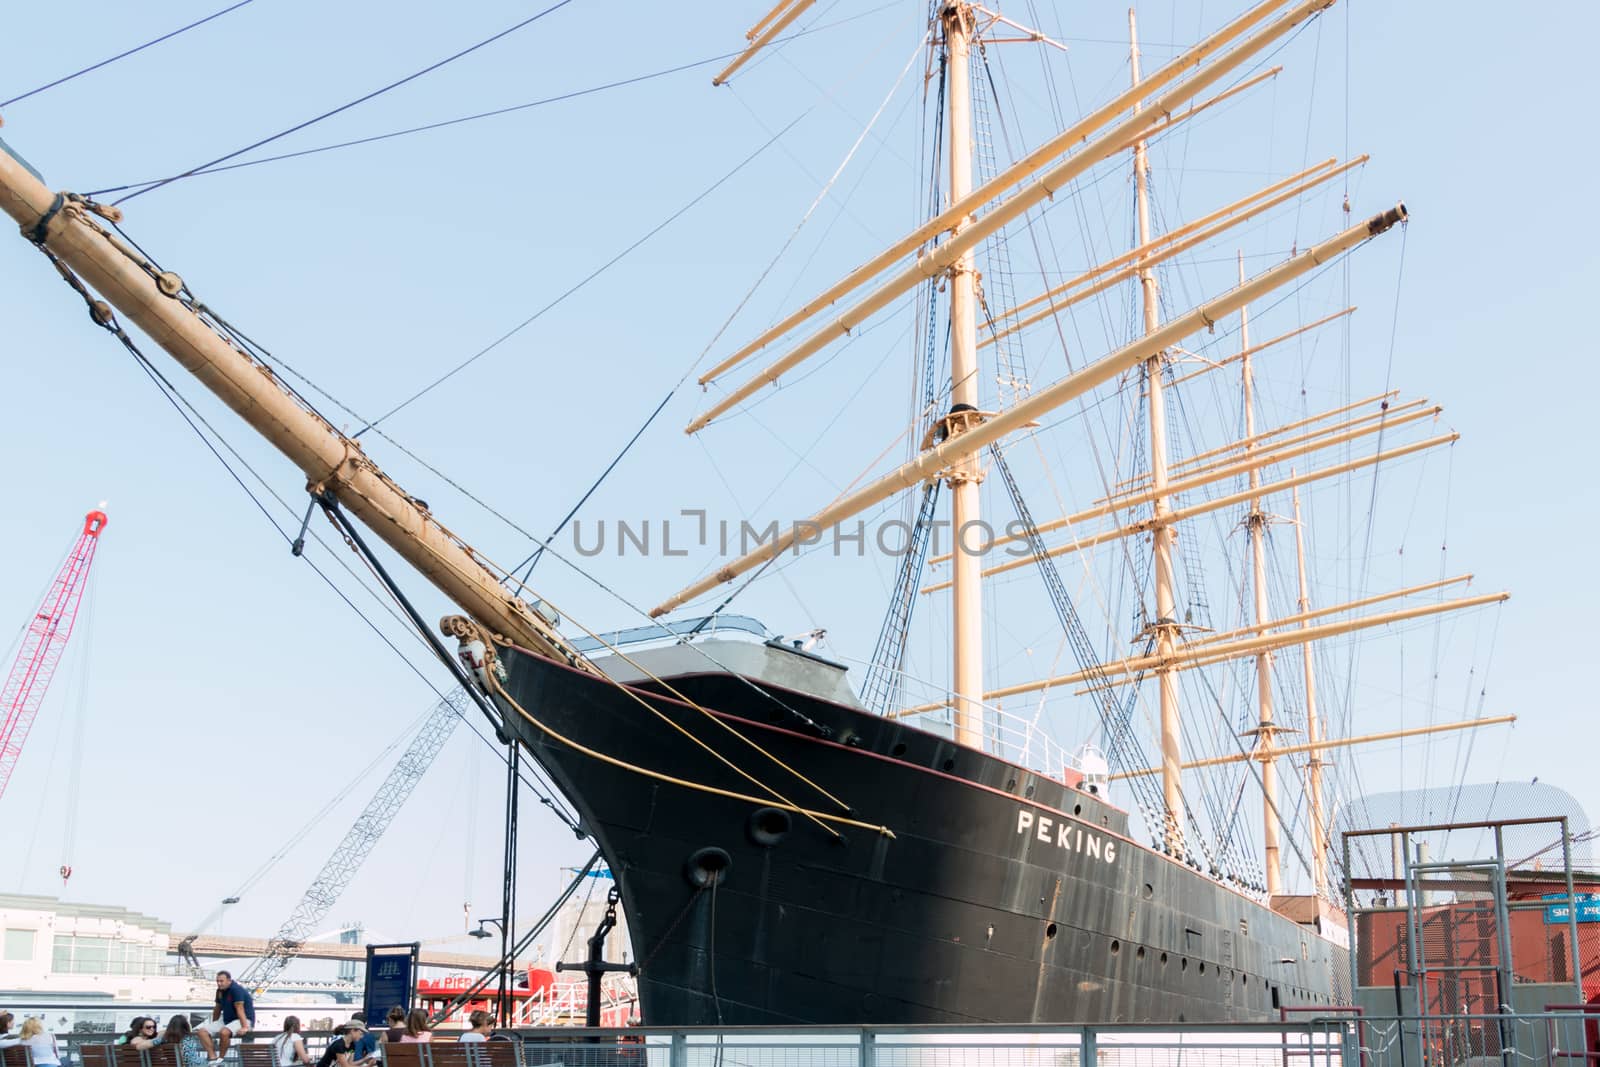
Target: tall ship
x: 792, y: 845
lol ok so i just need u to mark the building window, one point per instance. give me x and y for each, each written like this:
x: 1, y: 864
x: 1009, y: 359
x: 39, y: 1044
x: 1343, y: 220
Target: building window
x: 89, y: 955
x: 102, y: 955
x: 61, y: 957
x: 19, y: 944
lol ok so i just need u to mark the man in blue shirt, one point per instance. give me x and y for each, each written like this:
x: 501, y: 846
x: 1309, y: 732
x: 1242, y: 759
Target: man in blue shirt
x: 233, y: 1015
x: 365, y: 1048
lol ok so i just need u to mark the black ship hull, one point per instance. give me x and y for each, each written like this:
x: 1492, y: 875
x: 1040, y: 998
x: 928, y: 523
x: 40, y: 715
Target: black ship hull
x: 995, y: 894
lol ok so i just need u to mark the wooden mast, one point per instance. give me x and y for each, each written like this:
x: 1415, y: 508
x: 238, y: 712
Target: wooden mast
x: 1190, y: 656
x: 1221, y: 470
x: 334, y: 464
x: 1319, y: 843
x: 1256, y: 523
x: 1237, y: 33
x: 1202, y: 507
x: 938, y: 261
x: 1165, y: 627
x: 964, y: 477
x: 1338, y: 742
x: 935, y: 461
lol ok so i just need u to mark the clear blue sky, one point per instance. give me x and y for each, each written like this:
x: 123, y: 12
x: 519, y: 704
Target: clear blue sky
x: 229, y: 689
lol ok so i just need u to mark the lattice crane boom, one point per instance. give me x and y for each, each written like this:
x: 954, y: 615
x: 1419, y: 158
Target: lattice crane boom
x: 42, y: 645
x: 358, y: 842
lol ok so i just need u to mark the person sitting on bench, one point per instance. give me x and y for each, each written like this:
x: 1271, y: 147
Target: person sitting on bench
x: 233, y: 1015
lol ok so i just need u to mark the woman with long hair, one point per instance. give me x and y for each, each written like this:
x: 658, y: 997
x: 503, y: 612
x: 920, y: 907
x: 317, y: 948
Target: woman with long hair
x: 142, y: 1032
x: 397, y: 1024
x: 40, y: 1043
x: 135, y: 1029
x: 180, y: 1033
x: 417, y: 1027
x: 289, y: 1048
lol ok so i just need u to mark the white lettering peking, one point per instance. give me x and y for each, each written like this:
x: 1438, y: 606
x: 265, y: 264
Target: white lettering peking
x: 1069, y: 837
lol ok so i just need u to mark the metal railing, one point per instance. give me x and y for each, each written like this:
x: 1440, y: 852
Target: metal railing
x: 1554, y: 1038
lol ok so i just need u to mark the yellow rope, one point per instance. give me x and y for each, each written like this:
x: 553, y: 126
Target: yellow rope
x: 629, y: 692
x: 820, y: 818
x: 669, y: 687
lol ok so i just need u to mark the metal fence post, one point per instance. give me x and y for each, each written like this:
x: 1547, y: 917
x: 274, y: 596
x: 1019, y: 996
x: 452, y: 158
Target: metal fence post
x: 678, y: 1055
x: 1350, y: 1045
x: 1088, y: 1053
x: 869, y: 1048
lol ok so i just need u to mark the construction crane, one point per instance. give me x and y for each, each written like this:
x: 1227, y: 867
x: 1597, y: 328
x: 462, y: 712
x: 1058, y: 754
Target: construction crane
x: 42, y: 645
x: 358, y: 842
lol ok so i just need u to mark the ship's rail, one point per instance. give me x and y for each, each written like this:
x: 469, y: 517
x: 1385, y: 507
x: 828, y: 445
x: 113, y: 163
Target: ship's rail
x: 1021, y: 739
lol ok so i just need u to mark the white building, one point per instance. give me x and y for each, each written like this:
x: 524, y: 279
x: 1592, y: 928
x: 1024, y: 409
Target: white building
x: 57, y: 958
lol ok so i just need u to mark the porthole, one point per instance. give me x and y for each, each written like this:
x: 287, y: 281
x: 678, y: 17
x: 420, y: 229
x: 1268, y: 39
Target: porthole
x: 1011, y: 783
x: 899, y: 749
x: 1028, y: 792
x: 707, y: 867
x: 768, y: 826
x: 1183, y: 964
x: 1116, y: 947
x: 949, y: 764
x: 1050, y: 932
x: 1163, y: 959
x: 1149, y: 891
x: 1077, y: 809
x: 1138, y: 953
x: 1202, y: 966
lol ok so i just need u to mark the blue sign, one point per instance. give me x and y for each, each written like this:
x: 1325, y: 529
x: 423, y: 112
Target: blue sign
x: 391, y: 980
x: 1588, y: 908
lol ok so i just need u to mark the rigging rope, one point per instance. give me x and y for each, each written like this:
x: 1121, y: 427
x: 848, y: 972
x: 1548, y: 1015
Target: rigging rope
x: 493, y: 113
x: 533, y: 559
x: 126, y: 54
x: 819, y: 817
x: 103, y: 316
x: 535, y: 17
x: 591, y: 276
x: 885, y: 677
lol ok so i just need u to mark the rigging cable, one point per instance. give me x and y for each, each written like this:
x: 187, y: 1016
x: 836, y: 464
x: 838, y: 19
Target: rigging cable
x: 533, y: 559
x: 355, y: 542
x: 347, y: 106
x: 124, y: 55
x: 493, y: 113
x: 103, y: 317
x: 591, y: 276
x: 372, y: 424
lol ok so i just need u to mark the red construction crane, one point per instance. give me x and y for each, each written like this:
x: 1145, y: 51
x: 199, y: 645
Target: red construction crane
x: 42, y: 646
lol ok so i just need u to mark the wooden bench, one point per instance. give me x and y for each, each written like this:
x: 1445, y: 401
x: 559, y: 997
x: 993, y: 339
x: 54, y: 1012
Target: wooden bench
x: 443, y: 1053
x: 128, y: 1056
x: 16, y: 1056
x: 404, y: 1053
x: 255, y: 1054
x: 475, y: 1054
